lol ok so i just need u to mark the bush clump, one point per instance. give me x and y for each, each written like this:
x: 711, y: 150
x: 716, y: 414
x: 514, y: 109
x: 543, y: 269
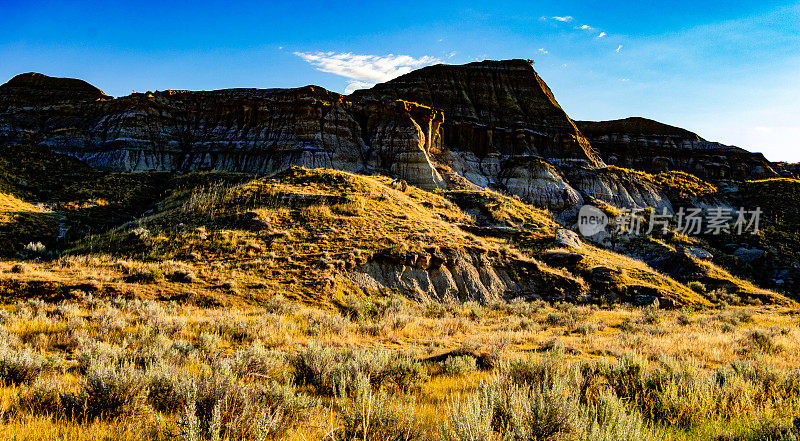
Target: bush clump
x: 375, y: 416
x: 222, y: 405
x: 459, y: 365
x: 330, y: 370
x: 20, y: 367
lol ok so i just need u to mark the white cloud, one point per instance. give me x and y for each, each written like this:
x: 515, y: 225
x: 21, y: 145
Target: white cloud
x: 602, y: 34
x: 564, y: 19
x: 543, y: 51
x: 451, y: 54
x: 586, y: 27
x: 619, y: 48
x: 365, y: 70
x: 624, y: 80
x: 355, y: 85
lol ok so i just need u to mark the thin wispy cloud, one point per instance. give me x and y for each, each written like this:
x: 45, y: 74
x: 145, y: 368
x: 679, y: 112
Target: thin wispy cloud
x: 564, y: 19
x: 543, y: 51
x: 586, y: 27
x: 602, y: 34
x: 619, y: 48
x: 365, y: 70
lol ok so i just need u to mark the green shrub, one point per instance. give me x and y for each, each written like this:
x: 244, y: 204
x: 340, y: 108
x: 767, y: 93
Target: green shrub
x: 681, y: 392
x: 43, y: 397
x: 148, y: 274
x: 370, y: 415
x: 92, y: 352
x: 459, y: 365
x: 767, y: 430
x: 167, y: 387
x: 279, y: 304
x: 405, y: 372
x: 763, y: 342
x: 538, y: 412
x: 321, y: 323
x: 513, y: 412
x: 610, y: 420
x: 222, y: 406
x: 587, y: 328
x: 314, y: 366
x: 361, y: 308
x: 110, y: 391
x: 560, y: 319
x: 534, y: 370
x: 697, y: 287
x: 651, y: 316
x: 519, y: 307
x: 20, y: 367
x: 208, y: 343
x: 735, y: 318
x: 470, y: 418
x: 331, y: 370
x: 256, y: 359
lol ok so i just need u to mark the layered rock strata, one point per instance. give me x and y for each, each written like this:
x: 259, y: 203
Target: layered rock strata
x: 650, y: 146
x: 244, y: 130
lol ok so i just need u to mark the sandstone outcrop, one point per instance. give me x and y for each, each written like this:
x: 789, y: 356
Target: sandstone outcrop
x: 624, y: 190
x: 245, y: 130
x: 492, y: 107
x: 503, y: 127
x: 464, y: 275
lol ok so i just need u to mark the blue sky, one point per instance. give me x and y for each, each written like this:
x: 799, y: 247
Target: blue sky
x: 727, y: 70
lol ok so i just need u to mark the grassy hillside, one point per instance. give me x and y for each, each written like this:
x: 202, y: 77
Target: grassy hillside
x: 300, y: 233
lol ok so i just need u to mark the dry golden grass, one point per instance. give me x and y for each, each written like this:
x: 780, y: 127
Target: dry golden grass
x: 712, y: 339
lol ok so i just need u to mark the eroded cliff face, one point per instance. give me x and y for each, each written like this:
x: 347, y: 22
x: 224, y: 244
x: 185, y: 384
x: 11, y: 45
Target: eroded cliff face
x: 245, y: 130
x: 654, y: 147
x: 503, y: 127
x: 496, y: 123
x: 465, y: 275
x: 618, y: 189
x: 492, y: 107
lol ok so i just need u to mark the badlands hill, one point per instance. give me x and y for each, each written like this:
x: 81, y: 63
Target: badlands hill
x: 450, y: 182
